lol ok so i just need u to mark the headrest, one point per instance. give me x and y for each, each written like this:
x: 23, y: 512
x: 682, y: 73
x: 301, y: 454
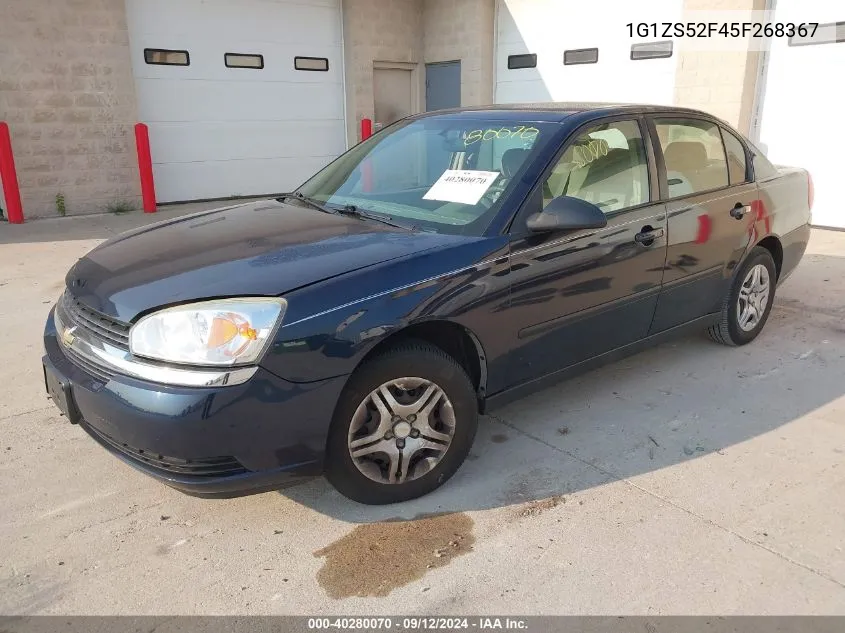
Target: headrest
x: 616, y: 161
x: 512, y: 160
x: 685, y: 156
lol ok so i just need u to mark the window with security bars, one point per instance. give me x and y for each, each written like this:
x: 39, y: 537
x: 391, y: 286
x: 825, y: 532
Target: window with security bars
x: 580, y: 56
x: 652, y: 50
x: 518, y: 62
x: 166, y: 57
x: 243, y: 60
x: 828, y: 33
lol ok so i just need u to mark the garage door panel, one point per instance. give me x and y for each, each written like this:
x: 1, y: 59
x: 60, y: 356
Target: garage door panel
x: 221, y: 132
x: 548, y: 28
x: 523, y: 92
x: 179, y: 100
x: 234, y: 178
x: 208, y: 63
x: 175, y: 143
x: 312, y: 21
x: 802, y: 77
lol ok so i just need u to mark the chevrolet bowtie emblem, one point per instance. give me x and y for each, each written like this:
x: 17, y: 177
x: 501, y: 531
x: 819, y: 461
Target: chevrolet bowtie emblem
x: 68, y: 336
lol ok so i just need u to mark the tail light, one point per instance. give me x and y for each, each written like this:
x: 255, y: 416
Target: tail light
x: 811, y: 191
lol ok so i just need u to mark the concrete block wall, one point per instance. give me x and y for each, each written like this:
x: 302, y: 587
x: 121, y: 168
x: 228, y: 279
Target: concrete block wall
x: 376, y: 31
x: 721, y: 82
x: 463, y: 30
x: 417, y: 32
x: 67, y: 92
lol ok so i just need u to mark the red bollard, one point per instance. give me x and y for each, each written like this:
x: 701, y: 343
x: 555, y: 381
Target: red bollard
x: 366, y: 167
x: 9, y: 176
x: 145, y: 167
x: 366, y: 129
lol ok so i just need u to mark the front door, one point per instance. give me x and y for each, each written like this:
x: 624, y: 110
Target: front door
x: 578, y: 295
x: 711, y: 205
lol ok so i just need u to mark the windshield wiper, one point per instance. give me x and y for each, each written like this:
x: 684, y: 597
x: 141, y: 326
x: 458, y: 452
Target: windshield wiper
x: 349, y: 210
x: 354, y: 212
x: 309, y: 201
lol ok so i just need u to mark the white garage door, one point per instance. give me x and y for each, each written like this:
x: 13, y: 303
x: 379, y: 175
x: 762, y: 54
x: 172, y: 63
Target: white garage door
x: 580, y: 54
x: 246, y: 123
x: 803, y: 99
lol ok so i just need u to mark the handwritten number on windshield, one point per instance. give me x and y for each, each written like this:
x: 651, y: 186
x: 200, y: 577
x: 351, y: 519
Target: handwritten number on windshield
x: 521, y: 132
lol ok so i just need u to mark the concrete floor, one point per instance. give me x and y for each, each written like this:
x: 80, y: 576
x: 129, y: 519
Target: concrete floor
x: 691, y: 479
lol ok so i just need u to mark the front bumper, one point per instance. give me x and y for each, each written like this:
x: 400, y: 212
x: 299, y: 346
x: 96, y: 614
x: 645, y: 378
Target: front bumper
x: 261, y: 435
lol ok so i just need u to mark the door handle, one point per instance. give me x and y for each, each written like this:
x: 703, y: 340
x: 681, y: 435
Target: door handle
x: 739, y: 211
x: 647, y: 236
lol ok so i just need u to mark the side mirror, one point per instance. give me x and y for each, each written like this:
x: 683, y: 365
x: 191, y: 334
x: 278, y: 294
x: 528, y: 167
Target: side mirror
x: 567, y: 214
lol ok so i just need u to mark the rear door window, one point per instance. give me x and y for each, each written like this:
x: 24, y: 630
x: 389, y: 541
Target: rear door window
x: 693, y: 154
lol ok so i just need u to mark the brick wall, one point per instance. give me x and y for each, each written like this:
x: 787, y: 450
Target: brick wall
x: 463, y: 30
x: 720, y: 82
x: 67, y: 92
x: 376, y: 30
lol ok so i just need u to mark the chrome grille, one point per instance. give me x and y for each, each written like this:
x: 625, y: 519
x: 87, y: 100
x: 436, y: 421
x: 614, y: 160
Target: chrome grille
x: 94, y: 369
x: 102, y: 326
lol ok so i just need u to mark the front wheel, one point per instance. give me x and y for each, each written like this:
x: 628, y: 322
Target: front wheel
x: 403, y: 425
x: 749, y: 302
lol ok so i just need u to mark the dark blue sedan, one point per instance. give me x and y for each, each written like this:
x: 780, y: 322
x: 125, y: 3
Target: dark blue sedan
x: 358, y: 326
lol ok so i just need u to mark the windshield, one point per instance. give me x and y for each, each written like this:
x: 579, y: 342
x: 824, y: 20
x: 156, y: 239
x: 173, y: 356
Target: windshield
x: 443, y: 174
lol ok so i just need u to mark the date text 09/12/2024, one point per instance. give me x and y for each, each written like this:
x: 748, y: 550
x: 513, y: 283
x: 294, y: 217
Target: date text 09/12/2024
x: 721, y: 29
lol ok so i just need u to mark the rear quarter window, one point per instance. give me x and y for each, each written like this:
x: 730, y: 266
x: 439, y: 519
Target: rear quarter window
x: 763, y: 168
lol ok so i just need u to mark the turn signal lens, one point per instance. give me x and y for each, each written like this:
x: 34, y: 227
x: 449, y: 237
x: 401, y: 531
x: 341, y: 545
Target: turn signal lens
x: 223, y: 330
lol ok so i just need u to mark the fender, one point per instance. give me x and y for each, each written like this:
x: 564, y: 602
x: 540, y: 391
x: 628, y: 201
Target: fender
x: 327, y: 335
x: 443, y: 333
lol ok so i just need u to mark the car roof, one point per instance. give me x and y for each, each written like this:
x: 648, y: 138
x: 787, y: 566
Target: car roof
x: 560, y: 110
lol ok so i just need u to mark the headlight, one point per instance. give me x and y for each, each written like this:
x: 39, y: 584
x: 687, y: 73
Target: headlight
x: 224, y: 332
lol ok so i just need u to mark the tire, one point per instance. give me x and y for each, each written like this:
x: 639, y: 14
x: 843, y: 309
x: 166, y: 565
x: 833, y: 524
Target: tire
x: 729, y: 330
x: 359, y: 423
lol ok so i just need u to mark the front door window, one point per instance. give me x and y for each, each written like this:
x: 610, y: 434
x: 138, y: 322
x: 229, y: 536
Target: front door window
x: 606, y: 165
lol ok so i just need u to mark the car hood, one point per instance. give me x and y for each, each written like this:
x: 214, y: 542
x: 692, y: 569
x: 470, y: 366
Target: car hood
x: 263, y: 248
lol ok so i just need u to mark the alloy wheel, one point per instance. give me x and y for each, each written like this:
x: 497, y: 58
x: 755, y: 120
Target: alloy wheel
x: 753, y: 298
x: 401, y: 430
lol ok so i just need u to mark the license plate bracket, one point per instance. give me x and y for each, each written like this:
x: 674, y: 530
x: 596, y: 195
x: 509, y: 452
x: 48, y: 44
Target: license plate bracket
x: 60, y: 392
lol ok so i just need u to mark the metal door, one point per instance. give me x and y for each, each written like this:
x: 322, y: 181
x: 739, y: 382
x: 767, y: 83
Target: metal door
x: 442, y: 86
x: 392, y: 95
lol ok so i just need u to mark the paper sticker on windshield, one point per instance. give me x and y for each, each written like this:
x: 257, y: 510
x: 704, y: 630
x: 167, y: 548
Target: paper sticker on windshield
x: 465, y: 186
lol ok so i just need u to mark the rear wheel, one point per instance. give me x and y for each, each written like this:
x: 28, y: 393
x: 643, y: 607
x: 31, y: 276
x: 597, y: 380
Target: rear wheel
x: 403, y: 426
x: 749, y: 302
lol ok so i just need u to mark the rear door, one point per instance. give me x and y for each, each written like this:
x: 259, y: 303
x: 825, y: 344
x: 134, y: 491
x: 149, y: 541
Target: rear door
x: 709, y: 196
x: 575, y: 295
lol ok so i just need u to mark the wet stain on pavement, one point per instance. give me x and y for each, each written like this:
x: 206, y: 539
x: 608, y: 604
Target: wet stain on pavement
x: 374, y: 559
x: 499, y: 438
